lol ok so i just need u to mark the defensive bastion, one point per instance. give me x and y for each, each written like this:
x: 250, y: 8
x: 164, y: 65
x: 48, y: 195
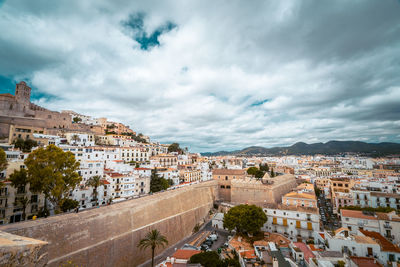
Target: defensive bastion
x: 107, y: 236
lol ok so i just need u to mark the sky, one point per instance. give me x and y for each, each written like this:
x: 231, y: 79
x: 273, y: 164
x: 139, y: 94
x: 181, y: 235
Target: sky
x: 213, y: 75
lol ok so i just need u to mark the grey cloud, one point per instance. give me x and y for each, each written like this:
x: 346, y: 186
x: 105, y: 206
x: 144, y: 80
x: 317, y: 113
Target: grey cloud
x: 328, y: 70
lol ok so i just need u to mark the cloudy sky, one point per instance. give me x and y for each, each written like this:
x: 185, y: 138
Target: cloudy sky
x: 213, y: 75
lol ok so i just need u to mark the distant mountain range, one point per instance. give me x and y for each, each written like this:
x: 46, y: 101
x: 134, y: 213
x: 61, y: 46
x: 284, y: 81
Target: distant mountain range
x: 329, y: 148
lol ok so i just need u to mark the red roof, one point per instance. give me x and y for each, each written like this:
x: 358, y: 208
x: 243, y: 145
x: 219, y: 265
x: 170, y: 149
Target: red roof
x: 105, y: 182
x: 115, y: 174
x: 365, y: 262
x: 385, y: 244
x: 185, y: 254
x: 306, y: 250
x: 313, y: 248
x: 248, y: 254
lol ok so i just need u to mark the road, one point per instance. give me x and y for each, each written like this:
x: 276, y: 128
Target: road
x: 222, y: 238
x: 325, y: 208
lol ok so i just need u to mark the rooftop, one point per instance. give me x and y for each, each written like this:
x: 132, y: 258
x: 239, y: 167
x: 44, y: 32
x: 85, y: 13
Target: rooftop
x: 365, y: 261
x: 357, y: 214
x: 385, y: 244
x: 185, y: 254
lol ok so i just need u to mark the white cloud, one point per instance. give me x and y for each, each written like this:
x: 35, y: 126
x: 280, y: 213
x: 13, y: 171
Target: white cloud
x: 228, y: 76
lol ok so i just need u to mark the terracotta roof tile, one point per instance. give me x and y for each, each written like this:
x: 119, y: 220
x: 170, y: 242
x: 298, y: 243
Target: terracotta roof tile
x: 385, y: 244
x: 185, y: 254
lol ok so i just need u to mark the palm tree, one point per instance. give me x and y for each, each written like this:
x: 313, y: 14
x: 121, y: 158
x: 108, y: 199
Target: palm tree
x: 75, y: 138
x: 153, y: 239
x: 95, y: 181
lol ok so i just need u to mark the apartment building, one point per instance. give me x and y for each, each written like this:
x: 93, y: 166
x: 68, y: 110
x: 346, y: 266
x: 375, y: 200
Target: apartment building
x: 387, y: 224
x: 166, y: 160
x: 136, y: 153
x: 295, y: 222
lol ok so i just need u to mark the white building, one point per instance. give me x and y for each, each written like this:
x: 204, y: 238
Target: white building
x: 387, y: 224
x: 293, y: 222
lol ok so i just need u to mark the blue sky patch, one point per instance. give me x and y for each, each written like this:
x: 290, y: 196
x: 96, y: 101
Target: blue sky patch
x: 146, y: 40
x: 259, y: 103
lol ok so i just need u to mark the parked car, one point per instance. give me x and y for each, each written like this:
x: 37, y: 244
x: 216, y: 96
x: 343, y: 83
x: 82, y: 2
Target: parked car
x: 204, y: 247
x: 208, y: 243
x: 213, y: 237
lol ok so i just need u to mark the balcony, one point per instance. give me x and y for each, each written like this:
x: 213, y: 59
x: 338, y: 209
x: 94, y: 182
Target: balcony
x: 387, y: 226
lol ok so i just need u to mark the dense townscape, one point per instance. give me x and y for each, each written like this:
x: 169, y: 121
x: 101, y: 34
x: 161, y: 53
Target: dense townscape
x: 310, y: 210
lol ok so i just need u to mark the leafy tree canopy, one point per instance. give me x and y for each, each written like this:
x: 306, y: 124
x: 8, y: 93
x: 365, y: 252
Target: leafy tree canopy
x: 255, y: 172
x: 68, y: 204
x: 24, y: 145
x: 19, y: 178
x: 212, y: 259
x: 157, y: 183
x: 3, y: 160
x: 76, y: 119
x: 245, y: 219
x: 264, y: 167
x: 174, y: 147
x: 52, y: 172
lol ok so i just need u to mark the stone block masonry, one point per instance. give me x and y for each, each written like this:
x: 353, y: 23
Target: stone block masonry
x: 108, y: 236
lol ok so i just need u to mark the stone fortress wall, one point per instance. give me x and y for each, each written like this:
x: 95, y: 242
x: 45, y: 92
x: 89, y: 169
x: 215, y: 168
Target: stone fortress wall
x: 108, y: 236
x: 259, y: 192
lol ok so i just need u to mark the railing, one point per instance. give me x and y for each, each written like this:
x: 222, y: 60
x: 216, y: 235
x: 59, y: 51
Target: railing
x: 387, y: 226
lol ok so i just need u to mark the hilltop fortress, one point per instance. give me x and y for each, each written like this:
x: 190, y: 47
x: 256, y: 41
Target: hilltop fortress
x: 19, y: 115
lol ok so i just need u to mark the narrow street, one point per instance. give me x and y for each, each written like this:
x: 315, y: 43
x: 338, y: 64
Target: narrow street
x: 222, y: 238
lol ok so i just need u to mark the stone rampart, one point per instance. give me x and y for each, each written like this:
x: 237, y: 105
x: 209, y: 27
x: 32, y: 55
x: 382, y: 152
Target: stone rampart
x: 108, y: 236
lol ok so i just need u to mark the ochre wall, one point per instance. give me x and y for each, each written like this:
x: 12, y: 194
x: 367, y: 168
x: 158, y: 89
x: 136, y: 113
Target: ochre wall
x: 108, y: 236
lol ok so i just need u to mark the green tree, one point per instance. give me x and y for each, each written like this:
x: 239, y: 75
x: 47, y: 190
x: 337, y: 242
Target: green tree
x: 52, y: 172
x: 153, y: 239
x: 317, y: 191
x: 259, y: 174
x: 76, y: 119
x: 3, y: 163
x: 95, y: 182
x: 157, y: 183
x: 272, y: 173
x: 19, y: 180
x: 245, y: 219
x: 212, y: 259
x: 24, y: 145
x: 68, y: 204
x: 207, y: 259
x: 264, y: 167
x: 23, y: 201
x: 255, y: 172
x: 252, y: 170
x: 75, y: 138
x: 174, y: 147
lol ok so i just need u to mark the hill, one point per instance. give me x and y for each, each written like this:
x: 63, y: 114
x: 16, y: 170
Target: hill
x: 329, y: 148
